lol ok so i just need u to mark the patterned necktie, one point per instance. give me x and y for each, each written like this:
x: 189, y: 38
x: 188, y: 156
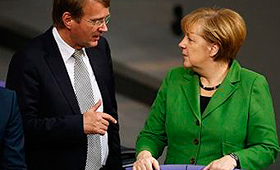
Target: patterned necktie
x: 84, y: 94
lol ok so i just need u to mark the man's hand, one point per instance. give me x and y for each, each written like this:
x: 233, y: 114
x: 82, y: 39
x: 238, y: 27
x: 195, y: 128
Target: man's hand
x: 224, y: 163
x: 145, y: 161
x: 96, y: 122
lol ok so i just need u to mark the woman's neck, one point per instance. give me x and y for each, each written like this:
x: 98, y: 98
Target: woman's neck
x: 214, y: 74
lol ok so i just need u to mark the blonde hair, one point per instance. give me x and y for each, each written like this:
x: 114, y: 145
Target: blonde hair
x: 224, y: 27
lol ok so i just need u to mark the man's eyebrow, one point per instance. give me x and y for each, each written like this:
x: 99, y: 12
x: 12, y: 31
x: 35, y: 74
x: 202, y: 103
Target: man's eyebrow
x: 100, y: 17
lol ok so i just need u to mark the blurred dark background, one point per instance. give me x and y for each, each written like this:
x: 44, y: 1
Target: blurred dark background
x: 144, y: 38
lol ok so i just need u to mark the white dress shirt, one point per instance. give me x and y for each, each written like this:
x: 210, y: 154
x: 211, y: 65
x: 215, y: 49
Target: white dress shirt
x: 66, y: 52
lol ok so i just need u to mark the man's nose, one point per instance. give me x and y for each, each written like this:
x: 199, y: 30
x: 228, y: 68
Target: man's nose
x: 103, y: 27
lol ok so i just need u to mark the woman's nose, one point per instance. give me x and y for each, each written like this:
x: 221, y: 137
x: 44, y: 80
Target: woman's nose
x: 182, y: 44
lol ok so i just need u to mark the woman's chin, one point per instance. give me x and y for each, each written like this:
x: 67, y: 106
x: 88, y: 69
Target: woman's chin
x: 187, y: 65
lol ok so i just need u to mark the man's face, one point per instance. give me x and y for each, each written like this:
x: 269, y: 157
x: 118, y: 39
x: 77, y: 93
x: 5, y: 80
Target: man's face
x: 85, y: 33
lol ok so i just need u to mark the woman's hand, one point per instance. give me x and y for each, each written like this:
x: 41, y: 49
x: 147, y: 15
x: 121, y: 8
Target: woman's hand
x: 224, y: 163
x: 145, y: 161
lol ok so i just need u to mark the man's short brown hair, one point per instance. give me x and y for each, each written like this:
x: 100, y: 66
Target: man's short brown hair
x: 74, y: 7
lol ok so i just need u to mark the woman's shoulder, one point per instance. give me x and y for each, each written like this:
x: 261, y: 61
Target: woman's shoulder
x: 178, y: 73
x: 250, y: 74
x: 243, y: 74
x: 252, y: 77
x: 180, y: 70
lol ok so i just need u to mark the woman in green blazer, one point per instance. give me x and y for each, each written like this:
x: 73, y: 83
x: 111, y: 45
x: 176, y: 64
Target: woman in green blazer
x: 212, y: 111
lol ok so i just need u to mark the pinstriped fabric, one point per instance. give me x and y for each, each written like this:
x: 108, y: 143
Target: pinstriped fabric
x: 85, y: 97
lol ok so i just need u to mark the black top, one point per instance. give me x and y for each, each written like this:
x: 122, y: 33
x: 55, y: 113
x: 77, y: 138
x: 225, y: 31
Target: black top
x: 204, y: 100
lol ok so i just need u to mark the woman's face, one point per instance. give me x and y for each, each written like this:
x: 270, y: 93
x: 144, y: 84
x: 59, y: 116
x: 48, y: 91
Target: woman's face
x: 196, y: 50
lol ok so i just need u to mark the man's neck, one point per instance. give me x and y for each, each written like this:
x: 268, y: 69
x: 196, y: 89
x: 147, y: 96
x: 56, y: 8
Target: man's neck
x: 64, y: 33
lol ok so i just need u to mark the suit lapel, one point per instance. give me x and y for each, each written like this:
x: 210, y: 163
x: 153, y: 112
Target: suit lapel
x: 227, y: 88
x: 191, y: 89
x: 55, y: 62
x: 96, y: 60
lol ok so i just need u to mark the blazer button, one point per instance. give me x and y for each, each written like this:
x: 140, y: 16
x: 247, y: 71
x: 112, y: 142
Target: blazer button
x: 192, y: 161
x: 195, y: 141
x: 197, y: 122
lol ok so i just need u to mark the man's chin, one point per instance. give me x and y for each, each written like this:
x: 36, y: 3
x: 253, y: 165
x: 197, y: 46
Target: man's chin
x: 92, y: 44
x: 95, y: 43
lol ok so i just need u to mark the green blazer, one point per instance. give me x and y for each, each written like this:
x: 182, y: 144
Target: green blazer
x: 239, y: 119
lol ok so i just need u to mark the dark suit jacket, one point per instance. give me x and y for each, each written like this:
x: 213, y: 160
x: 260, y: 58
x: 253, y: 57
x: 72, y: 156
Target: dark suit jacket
x: 52, y: 121
x: 11, y: 132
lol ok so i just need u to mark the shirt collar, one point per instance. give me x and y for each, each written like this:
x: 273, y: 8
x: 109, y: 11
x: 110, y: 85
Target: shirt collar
x: 65, y: 49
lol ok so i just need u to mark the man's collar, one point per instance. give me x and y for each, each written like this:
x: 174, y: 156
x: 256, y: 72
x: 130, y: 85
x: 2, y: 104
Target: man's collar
x: 65, y: 49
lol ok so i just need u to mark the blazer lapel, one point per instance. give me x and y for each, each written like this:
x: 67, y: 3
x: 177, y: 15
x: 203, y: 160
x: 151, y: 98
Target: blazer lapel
x: 55, y: 62
x: 227, y: 88
x: 191, y: 89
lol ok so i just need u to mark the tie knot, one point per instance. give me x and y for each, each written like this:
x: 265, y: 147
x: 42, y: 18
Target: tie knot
x: 78, y: 54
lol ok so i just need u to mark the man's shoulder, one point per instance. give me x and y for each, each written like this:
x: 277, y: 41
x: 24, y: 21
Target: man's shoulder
x: 38, y: 43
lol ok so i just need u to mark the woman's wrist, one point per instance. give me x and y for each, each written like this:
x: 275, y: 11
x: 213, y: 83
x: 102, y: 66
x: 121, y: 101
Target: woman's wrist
x: 143, y: 154
x: 235, y: 157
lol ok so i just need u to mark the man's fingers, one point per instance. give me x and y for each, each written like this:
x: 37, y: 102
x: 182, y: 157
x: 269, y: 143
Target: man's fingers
x: 109, y: 118
x: 105, y: 122
x: 102, y: 132
x: 103, y: 127
x: 96, y: 106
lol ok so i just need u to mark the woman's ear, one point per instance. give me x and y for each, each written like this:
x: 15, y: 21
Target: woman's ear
x: 67, y: 19
x: 214, y: 49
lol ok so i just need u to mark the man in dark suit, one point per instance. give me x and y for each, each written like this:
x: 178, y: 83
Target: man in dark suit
x: 52, y: 92
x: 11, y: 132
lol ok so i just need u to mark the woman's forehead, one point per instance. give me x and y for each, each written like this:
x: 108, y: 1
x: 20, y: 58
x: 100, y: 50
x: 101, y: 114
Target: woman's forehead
x: 195, y: 28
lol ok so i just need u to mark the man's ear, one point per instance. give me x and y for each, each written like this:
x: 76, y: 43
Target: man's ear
x: 67, y: 19
x: 214, y: 49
